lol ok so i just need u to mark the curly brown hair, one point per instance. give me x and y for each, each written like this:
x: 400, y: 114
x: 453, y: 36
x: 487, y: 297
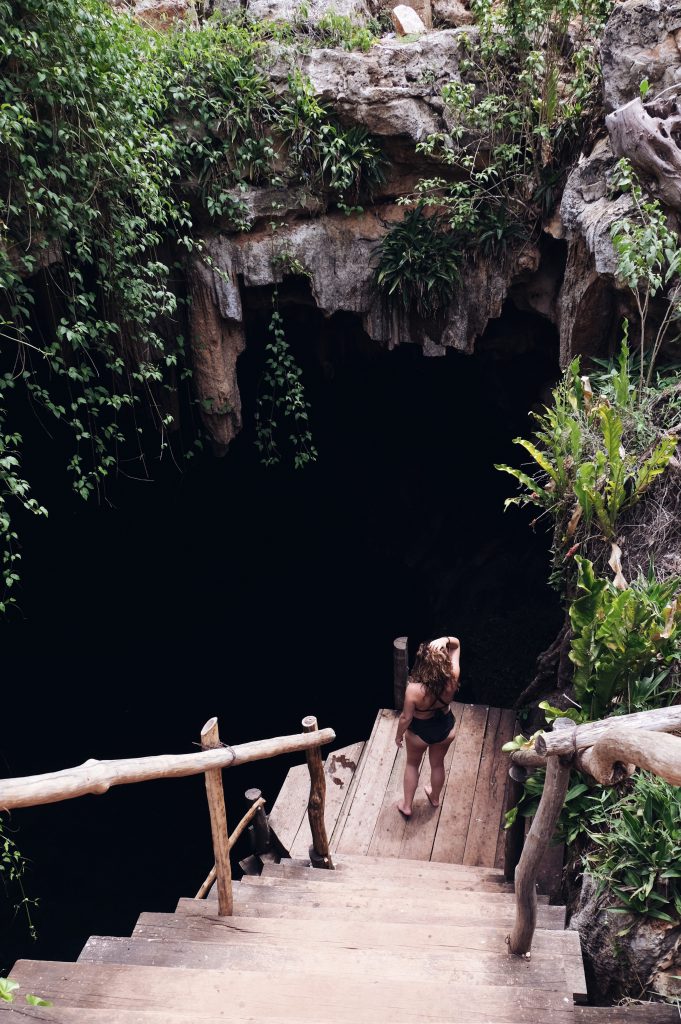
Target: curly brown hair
x: 432, y: 669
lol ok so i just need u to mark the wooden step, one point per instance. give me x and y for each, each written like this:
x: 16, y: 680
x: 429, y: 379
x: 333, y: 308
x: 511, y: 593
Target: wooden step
x: 365, y: 863
x: 286, y: 869
x: 309, y: 958
x: 315, y: 877
x: 376, y: 886
x: 631, y: 1013
x: 197, y: 924
x: 238, y: 996
x: 262, y: 902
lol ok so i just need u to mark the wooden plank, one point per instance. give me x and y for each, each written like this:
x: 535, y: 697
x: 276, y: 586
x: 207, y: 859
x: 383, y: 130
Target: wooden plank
x: 424, y: 964
x: 386, y: 839
x: 508, y: 731
x: 419, y: 834
x: 290, y: 807
x: 456, y: 940
x: 368, y: 797
x: 304, y: 888
x: 632, y: 1013
x: 339, y: 768
x: 389, y: 880
x: 253, y: 902
x: 204, y: 994
x: 483, y: 829
x: 450, y: 838
x: 352, y: 789
x: 368, y: 865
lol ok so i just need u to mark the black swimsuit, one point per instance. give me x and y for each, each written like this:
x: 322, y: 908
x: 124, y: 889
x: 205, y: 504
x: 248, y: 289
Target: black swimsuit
x: 437, y: 728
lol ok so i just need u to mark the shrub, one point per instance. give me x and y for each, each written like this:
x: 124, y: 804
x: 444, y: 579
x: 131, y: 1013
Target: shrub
x: 418, y: 264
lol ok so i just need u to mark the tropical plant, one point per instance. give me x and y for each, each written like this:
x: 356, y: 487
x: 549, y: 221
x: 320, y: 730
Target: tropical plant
x: 583, y: 471
x: 636, y: 849
x: 621, y: 638
x: 418, y: 264
x: 648, y: 259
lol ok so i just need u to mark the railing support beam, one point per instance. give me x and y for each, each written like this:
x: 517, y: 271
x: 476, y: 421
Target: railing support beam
x: 320, y: 855
x: 210, y: 739
x: 536, y: 844
x: 400, y: 670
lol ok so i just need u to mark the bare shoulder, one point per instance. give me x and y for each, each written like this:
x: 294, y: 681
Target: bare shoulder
x: 415, y: 692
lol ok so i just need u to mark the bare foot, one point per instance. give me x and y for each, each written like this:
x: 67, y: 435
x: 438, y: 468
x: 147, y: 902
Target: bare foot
x: 433, y: 803
x: 403, y: 810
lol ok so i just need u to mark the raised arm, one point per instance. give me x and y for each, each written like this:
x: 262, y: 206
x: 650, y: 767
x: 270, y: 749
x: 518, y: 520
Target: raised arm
x: 454, y: 649
x: 406, y: 716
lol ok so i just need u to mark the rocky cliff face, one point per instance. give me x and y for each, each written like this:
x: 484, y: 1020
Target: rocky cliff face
x: 394, y: 91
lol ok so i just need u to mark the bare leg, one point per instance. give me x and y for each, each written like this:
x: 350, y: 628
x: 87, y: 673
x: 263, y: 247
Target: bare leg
x: 436, y: 754
x: 415, y: 748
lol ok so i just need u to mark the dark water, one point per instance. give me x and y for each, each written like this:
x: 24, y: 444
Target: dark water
x: 260, y: 597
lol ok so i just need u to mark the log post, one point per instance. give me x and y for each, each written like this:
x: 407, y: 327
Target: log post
x: 536, y: 845
x: 320, y: 855
x: 400, y: 670
x: 259, y: 831
x: 210, y: 738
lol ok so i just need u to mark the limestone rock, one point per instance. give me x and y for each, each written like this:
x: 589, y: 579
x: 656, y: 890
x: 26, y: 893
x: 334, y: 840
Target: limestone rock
x: 452, y: 13
x: 406, y: 21
x: 642, y: 39
x: 394, y: 88
x: 217, y: 340
x: 162, y: 14
x: 309, y: 10
x: 625, y: 965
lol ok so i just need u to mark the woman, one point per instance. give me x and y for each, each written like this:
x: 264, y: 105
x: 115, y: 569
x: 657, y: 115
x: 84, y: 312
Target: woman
x: 427, y: 721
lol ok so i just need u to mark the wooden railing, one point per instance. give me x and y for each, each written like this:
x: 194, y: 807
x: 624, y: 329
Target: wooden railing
x: 609, y: 751
x: 99, y: 776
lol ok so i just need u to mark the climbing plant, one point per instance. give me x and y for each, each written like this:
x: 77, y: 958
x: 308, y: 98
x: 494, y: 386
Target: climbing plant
x: 516, y: 116
x: 12, y: 870
x: 110, y: 134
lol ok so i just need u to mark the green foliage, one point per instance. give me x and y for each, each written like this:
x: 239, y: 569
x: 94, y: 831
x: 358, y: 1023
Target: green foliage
x: 648, y: 260
x: 624, y: 641
x: 281, y: 402
x: 582, y: 804
x: 418, y: 264
x: 9, y: 987
x: 109, y: 133
x: 340, y: 31
x: 595, y: 454
x: 515, y: 117
x: 12, y: 870
x: 637, y: 849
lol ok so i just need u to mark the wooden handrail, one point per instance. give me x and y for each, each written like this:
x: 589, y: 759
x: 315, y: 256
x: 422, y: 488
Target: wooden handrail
x: 99, y: 776
x: 608, y: 751
x: 563, y: 743
x: 620, y: 748
x: 236, y: 834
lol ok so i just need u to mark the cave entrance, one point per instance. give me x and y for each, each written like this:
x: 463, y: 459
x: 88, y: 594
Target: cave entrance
x: 399, y: 527
x: 261, y: 595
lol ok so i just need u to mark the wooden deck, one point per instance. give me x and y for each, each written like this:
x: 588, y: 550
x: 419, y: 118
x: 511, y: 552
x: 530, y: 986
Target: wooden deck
x: 364, y: 783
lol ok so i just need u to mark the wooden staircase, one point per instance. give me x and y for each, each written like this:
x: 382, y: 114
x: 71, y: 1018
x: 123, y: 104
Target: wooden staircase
x: 377, y: 940
x: 410, y: 927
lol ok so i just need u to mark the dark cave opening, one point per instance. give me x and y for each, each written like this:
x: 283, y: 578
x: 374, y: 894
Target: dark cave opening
x: 264, y: 595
